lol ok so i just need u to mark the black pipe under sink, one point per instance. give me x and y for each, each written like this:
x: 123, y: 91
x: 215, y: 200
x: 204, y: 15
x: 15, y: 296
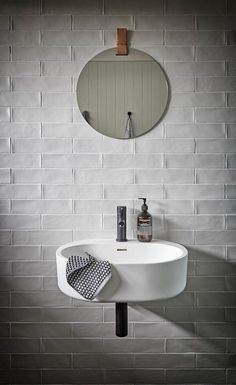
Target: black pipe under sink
x: 121, y: 319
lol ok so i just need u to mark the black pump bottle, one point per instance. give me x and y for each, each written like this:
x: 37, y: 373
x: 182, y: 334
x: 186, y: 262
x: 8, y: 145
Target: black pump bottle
x: 144, y: 224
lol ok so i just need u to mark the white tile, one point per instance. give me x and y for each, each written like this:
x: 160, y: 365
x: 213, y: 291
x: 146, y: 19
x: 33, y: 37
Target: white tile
x: 20, y: 160
x: 199, y: 38
x: 179, y: 115
x: 106, y: 146
x: 137, y: 7
x: 216, y: 237
x: 164, y: 145
x: 4, y: 53
x: 231, y: 161
x: 72, y: 192
x: 133, y: 191
x: 210, y: 191
x: 94, y: 234
x: 75, y: 221
x: 42, y: 115
x: 4, y: 114
x: 216, y: 176
x: 215, y: 83
x: 216, y: 145
x: 68, y: 130
x: 59, y: 100
x: 231, y: 131
x: 216, y: 115
x: 4, y: 206
x: 96, y: 175
x: 27, y: 7
x: 14, y: 191
x: 19, y: 222
x: 194, y: 222
x: 132, y: 160
x: 72, y: 160
x: 54, y: 68
x: 216, y: 22
x: 164, y: 22
x: 102, y: 22
x: 20, y: 252
x: 41, y: 22
x: 4, y: 83
x: 194, y: 160
x: 18, y: 130
x: 166, y: 176
x: 37, y: 175
x: 192, y: 7
x: 198, y: 99
x: 170, y: 53
x: 5, y: 237
x: 106, y: 206
x: 182, y: 84
x: 41, y: 53
x: 216, y: 53
x: 231, y: 191
x: 191, y: 68
x: 37, y: 237
x: 4, y: 22
x: 225, y: 206
x: 195, y: 130
x: 4, y: 145
x: 231, y: 222
x: 42, y: 145
x: 19, y: 68
x: 19, y: 37
x: 45, y: 206
x: 5, y: 175
x: 41, y: 83
x: 20, y: 99
x: 72, y: 7
x: 72, y: 38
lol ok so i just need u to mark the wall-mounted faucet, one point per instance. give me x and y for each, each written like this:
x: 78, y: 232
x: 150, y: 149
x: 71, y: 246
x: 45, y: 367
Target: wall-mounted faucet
x: 121, y: 224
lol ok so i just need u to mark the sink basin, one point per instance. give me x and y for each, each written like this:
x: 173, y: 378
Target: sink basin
x: 140, y: 271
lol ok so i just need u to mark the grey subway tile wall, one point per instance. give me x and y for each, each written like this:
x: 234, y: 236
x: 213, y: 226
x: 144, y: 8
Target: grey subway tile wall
x: 61, y: 181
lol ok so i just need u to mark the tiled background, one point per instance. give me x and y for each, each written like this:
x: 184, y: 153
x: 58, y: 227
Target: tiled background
x: 62, y: 181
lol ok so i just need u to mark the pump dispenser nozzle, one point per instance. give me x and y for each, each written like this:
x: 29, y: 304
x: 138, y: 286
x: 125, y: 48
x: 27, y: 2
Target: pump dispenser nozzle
x: 144, y: 206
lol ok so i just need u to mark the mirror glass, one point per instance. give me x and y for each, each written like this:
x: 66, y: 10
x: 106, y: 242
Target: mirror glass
x: 122, y: 96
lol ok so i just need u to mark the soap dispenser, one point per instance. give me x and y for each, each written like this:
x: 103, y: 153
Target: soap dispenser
x: 144, y: 224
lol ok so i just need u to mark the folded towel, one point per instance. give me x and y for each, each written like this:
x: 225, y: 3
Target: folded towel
x: 87, y: 275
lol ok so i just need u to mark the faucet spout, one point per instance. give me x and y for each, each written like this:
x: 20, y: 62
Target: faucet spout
x: 121, y: 224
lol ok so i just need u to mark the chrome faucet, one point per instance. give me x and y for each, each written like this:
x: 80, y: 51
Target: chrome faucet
x: 121, y: 224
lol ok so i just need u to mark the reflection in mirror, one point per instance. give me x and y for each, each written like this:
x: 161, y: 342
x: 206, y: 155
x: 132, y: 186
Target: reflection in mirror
x: 122, y: 96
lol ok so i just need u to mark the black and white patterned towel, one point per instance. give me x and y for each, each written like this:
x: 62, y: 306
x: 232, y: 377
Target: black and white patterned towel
x: 87, y: 275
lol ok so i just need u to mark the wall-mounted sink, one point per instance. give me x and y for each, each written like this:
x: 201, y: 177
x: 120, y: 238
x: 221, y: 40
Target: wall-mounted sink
x: 140, y: 271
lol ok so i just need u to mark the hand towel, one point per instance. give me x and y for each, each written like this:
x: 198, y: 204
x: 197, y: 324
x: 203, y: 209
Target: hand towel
x: 87, y: 275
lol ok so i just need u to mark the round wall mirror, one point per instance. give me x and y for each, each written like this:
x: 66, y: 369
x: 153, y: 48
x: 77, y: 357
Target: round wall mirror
x: 122, y: 96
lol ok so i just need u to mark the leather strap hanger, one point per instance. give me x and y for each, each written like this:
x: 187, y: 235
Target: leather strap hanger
x: 121, y: 48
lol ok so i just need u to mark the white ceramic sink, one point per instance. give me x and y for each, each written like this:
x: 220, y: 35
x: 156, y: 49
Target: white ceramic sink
x: 140, y: 271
